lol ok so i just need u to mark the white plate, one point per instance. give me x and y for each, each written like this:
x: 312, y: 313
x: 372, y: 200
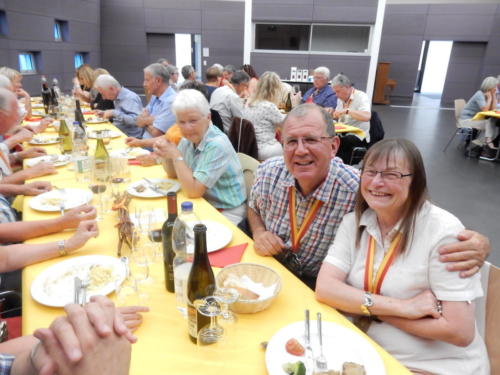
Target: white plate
x: 104, y: 134
x: 41, y: 140
x: 37, y: 105
x: 340, y: 344
x: 38, y: 112
x: 72, y: 198
x: 56, y: 159
x: 129, y: 153
x: 218, y: 236
x: 148, y: 192
x: 55, y: 285
x: 95, y: 120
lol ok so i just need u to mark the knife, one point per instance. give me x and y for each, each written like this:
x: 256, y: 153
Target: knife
x: 153, y: 187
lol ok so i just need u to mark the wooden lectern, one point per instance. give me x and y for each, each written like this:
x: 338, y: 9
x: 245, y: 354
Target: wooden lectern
x: 383, y: 84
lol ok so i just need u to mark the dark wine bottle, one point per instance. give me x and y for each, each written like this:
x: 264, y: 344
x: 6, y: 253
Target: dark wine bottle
x: 288, y: 104
x: 166, y: 235
x: 46, y: 96
x: 201, y: 282
x: 79, y: 114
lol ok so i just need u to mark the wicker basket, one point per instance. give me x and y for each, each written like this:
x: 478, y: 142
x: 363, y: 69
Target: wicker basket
x: 258, y: 273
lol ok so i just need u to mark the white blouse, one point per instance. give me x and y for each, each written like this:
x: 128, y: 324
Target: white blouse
x: 264, y: 117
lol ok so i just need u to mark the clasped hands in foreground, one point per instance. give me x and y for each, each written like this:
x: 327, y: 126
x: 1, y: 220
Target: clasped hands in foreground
x: 92, y: 339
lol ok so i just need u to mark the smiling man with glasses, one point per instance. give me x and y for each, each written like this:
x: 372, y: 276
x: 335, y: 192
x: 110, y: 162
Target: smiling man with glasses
x: 298, y: 201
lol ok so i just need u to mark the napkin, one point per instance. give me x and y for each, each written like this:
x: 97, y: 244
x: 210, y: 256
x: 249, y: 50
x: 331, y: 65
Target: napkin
x: 228, y: 255
x: 133, y: 162
x: 33, y: 119
x: 88, y: 112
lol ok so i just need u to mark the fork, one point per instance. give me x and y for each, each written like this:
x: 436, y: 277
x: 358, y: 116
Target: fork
x: 321, y: 362
x: 62, y: 205
x: 308, y: 350
x: 78, y: 289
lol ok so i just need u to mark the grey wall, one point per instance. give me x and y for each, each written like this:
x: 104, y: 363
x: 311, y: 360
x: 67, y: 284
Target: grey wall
x: 125, y: 24
x: 340, y: 11
x: 406, y: 26
x: 30, y: 28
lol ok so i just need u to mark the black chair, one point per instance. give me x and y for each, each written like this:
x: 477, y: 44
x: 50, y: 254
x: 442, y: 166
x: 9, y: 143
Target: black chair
x: 377, y: 133
x: 216, y: 119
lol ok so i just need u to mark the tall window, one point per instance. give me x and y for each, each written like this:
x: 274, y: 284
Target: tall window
x: 80, y: 59
x: 27, y: 62
x: 3, y: 23
x: 60, y: 31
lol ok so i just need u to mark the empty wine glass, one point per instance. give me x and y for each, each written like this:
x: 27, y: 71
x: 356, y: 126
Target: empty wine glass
x: 99, y: 179
x: 156, y: 218
x: 212, y: 332
x: 139, y: 264
x: 227, y: 319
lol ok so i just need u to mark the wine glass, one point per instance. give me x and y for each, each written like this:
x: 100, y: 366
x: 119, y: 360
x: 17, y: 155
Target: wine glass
x: 227, y: 319
x: 99, y: 179
x: 211, y: 333
x: 156, y: 219
x: 139, y: 263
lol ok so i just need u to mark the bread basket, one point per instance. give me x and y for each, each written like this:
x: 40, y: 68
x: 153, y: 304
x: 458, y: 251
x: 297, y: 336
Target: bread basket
x: 259, y: 274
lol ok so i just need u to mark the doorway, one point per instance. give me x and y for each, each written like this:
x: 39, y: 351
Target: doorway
x: 188, y: 52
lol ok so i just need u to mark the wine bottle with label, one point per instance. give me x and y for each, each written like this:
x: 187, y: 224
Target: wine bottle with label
x: 101, y: 161
x: 166, y: 234
x: 79, y: 114
x: 201, y: 282
x: 65, y: 138
x: 288, y: 104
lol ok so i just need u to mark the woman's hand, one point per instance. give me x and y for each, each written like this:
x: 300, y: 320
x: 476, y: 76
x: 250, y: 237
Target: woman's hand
x: 166, y: 149
x: 131, y: 315
x: 133, y: 142
x: 423, y: 304
x: 36, y: 188
x: 32, y: 153
x: 85, y: 231
x: 41, y: 169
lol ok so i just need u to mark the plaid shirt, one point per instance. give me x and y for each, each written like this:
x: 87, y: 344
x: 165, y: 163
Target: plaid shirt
x: 269, y: 199
x: 6, y: 364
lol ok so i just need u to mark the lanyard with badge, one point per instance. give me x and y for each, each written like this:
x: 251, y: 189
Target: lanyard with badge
x: 373, y: 282
x: 289, y: 257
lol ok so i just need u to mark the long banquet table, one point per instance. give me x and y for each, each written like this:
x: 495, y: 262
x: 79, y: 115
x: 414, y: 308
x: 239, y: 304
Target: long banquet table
x: 163, y: 346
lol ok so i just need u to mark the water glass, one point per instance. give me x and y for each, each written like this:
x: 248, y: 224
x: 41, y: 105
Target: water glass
x: 211, y: 333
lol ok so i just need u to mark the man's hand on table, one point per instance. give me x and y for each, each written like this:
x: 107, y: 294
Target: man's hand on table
x: 105, y: 114
x: 147, y: 160
x: 85, y: 231
x: 91, y: 340
x: 35, y: 188
x: 75, y: 216
x: 21, y: 135
x: 133, y: 142
x: 166, y: 149
x: 466, y: 255
x: 131, y: 315
x: 31, y: 153
x: 267, y: 243
x: 40, y: 128
x: 41, y: 169
x: 144, y: 119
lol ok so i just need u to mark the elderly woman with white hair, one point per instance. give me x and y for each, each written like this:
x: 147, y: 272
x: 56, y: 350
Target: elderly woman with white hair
x: 204, y: 162
x: 24, y: 99
x: 483, y: 99
x: 127, y: 104
x: 321, y: 93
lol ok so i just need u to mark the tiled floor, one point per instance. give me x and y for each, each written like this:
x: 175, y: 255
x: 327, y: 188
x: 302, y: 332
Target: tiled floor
x: 469, y: 188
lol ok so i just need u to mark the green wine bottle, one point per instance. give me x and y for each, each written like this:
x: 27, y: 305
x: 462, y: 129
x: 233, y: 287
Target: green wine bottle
x: 101, y: 161
x: 201, y: 282
x: 166, y: 235
x: 65, y: 138
x: 288, y: 104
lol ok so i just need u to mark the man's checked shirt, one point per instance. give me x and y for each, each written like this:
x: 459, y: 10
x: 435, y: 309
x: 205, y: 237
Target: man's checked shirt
x: 269, y: 199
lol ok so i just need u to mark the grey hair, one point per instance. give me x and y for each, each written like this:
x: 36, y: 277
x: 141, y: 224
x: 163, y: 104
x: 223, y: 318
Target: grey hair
x: 190, y: 99
x: 218, y: 66
x: 158, y: 70
x: 341, y: 80
x: 162, y: 61
x: 5, y: 82
x: 7, y: 97
x: 323, y: 70
x: 10, y: 73
x: 240, y: 76
x: 489, y: 83
x: 186, y: 71
x: 229, y: 68
x: 171, y: 69
x: 303, y: 110
x: 105, y: 81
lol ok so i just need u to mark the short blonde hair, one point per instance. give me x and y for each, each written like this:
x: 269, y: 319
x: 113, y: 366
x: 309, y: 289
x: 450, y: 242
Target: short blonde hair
x: 85, y: 75
x: 268, y: 88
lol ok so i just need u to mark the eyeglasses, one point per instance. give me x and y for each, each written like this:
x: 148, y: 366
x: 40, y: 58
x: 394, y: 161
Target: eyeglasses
x: 385, y: 175
x: 309, y: 141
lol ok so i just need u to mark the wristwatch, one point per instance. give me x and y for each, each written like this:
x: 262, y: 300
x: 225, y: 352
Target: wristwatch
x: 61, y: 247
x: 367, y: 303
x: 179, y: 158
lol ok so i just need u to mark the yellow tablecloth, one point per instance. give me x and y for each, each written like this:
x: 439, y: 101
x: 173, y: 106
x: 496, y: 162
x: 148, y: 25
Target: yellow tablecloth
x: 486, y: 114
x: 343, y: 128
x: 164, y: 347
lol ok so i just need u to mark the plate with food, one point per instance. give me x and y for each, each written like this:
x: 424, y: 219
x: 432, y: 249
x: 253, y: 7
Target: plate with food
x: 104, y: 134
x: 347, y: 352
x: 55, y: 285
x: 129, y: 153
x: 56, y: 159
x: 51, y: 200
x: 153, y: 187
x: 95, y: 120
x: 43, y: 140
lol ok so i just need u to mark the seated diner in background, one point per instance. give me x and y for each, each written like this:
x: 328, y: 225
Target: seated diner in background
x: 157, y: 117
x: 83, y: 83
x: 323, y: 188
x: 384, y: 269
x: 354, y: 109
x: 97, y: 102
x: 204, y: 162
x: 24, y: 99
x: 262, y: 111
x: 321, y: 93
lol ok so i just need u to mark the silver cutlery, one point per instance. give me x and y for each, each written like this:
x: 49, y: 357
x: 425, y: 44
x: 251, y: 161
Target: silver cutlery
x: 321, y: 362
x: 62, y: 204
x: 78, y: 287
x: 309, y: 357
x: 155, y: 188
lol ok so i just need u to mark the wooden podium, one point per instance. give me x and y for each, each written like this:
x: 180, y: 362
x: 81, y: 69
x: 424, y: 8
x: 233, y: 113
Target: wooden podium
x: 383, y: 84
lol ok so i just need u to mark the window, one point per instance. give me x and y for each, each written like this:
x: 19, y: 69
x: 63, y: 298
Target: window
x: 3, y: 23
x: 60, y: 31
x: 27, y: 62
x: 314, y: 38
x: 80, y: 59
